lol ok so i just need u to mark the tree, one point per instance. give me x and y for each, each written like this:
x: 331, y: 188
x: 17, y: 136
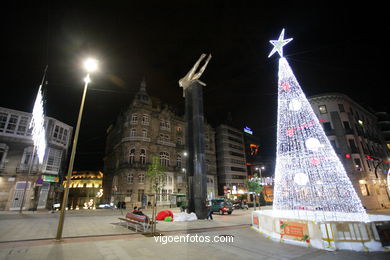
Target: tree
x: 310, y: 179
x: 156, y: 175
x: 254, y: 186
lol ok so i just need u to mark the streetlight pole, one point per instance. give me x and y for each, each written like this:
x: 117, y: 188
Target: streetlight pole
x: 90, y: 66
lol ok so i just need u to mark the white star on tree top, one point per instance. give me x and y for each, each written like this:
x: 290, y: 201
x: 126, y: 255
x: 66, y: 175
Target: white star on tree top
x: 278, y: 44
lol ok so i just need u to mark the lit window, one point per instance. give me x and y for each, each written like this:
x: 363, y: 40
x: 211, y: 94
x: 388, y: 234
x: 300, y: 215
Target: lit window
x: 322, y: 109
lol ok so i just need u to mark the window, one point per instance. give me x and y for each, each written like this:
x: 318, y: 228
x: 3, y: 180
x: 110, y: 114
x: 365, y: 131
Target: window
x: 56, y: 130
x: 3, y: 121
x: 322, y: 109
x: 144, y: 133
x: 364, y: 190
x: 141, y: 178
x: 53, y: 160
x: 132, y: 156
x: 165, y: 125
x: 352, y: 145
x: 22, y: 127
x: 27, y: 157
x: 333, y: 143
x: 145, y: 120
x: 12, y: 124
x: 164, y: 159
x: 179, y: 141
x: 178, y: 161
x: 235, y: 140
x: 133, y: 132
x: 65, y: 136
x: 129, y: 193
x: 347, y: 126
x: 142, y: 157
x: 140, y: 195
x: 341, y: 108
x: 3, y: 154
x: 164, y: 195
x: 130, y: 178
x: 236, y: 154
x: 237, y: 169
x: 134, y: 119
x: 327, y: 126
x: 358, y: 164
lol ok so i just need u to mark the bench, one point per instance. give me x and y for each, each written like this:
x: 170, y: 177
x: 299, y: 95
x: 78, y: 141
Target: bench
x: 136, y: 220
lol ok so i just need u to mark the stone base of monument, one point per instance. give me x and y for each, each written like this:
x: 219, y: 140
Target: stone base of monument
x: 331, y: 235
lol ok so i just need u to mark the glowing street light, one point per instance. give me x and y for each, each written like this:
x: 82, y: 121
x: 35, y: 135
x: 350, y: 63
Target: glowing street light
x: 90, y: 65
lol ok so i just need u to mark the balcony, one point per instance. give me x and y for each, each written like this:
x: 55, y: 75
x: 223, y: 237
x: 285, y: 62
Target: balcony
x: 22, y: 168
x: 136, y: 138
x: 348, y: 131
x: 134, y: 165
x: 167, y: 143
x: 329, y: 132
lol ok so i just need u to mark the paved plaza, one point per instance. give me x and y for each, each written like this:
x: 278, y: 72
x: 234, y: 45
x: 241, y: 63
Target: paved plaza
x: 98, y: 235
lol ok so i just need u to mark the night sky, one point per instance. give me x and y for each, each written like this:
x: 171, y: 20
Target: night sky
x: 336, y: 48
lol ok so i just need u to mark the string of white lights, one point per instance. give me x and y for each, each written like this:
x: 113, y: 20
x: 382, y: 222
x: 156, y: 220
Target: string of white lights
x: 37, y: 125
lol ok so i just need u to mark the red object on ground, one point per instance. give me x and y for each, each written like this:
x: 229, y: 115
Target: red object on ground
x: 163, y: 214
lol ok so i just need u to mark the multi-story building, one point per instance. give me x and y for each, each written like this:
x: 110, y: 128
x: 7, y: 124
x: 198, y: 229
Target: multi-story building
x: 231, y: 163
x: 384, y: 126
x: 353, y: 132
x: 16, y: 148
x: 144, y: 130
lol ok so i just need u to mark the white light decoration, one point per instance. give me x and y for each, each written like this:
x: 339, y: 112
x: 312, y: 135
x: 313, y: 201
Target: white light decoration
x: 313, y: 144
x: 37, y: 125
x: 388, y: 180
x: 310, y: 180
x: 301, y: 178
x: 294, y: 105
x: 278, y: 44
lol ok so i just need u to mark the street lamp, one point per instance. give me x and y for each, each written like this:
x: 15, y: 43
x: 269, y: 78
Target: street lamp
x: 90, y: 65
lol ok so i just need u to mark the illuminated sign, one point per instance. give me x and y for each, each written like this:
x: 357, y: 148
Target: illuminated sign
x: 48, y: 178
x: 248, y: 130
x: 254, y: 149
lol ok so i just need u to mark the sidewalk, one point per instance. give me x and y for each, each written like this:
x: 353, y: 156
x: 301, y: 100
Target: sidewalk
x: 104, y: 222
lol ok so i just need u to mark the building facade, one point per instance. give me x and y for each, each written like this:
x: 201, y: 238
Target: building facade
x: 16, y: 147
x: 85, y: 189
x: 231, y: 161
x: 147, y: 129
x: 353, y: 132
x: 384, y: 126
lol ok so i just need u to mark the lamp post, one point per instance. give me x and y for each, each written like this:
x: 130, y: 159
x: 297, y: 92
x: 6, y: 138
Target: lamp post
x: 90, y: 66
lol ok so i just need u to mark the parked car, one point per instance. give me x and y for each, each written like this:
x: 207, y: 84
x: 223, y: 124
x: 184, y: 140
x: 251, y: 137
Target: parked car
x: 222, y: 206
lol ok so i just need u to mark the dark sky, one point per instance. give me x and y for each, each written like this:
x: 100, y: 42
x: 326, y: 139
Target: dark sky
x: 336, y: 47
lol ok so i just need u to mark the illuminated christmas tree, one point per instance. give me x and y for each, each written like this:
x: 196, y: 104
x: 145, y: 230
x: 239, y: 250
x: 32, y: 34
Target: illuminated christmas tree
x: 310, y: 181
